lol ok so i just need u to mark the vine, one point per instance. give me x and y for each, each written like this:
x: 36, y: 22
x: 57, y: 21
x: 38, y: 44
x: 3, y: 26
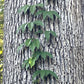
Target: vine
x: 33, y: 43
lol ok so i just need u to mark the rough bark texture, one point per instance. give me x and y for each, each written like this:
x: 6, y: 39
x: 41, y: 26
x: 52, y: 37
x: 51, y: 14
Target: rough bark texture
x: 67, y: 48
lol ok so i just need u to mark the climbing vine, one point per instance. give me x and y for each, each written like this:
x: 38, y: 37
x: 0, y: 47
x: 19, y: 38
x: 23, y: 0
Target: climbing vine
x: 33, y: 43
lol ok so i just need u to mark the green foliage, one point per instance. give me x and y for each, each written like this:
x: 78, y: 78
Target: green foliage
x: 31, y: 7
x: 39, y: 32
x: 30, y: 25
x: 23, y: 27
x: 44, y: 73
x: 25, y: 64
x: 38, y: 23
x: 20, y: 47
x: 31, y: 43
x: 31, y: 61
x: 37, y: 81
x: 47, y: 34
x: 47, y: 13
x: 37, y: 54
x: 34, y: 44
x: 23, y: 9
x: 28, y: 42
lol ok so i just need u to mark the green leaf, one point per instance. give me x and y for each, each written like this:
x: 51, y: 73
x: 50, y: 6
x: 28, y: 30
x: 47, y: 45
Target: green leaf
x: 39, y: 12
x: 47, y: 73
x: 30, y: 62
x: 32, y: 9
x: 36, y: 73
x: 24, y: 63
x: 23, y: 27
x: 36, y: 55
x: 39, y: 23
x: 36, y: 81
x: 44, y: 73
x: 30, y: 26
x: 28, y: 42
x: 26, y: 8
x: 53, y: 74
x: 47, y: 35
x: 45, y: 54
x: 55, y: 13
x: 49, y: 54
x: 39, y: 5
x: 27, y: 66
x: 33, y: 62
x: 20, y: 47
x: 39, y: 32
x: 35, y: 44
x: 53, y: 33
x: 32, y: 47
x: 50, y: 15
x: 23, y: 9
x: 45, y: 13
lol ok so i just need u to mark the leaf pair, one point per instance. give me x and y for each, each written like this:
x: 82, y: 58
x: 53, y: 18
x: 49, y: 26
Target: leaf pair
x: 47, y: 14
x: 31, y: 43
x: 39, y: 32
x: 44, y: 73
x: 25, y: 64
x: 32, y: 8
x: 30, y: 25
x: 37, y: 54
x: 47, y: 34
x: 31, y: 61
x: 34, y: 44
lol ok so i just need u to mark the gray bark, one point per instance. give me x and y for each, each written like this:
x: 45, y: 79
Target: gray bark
x: 67, y: 48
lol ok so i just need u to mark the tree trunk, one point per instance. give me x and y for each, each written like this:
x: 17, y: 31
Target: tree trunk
x: 67, y: 48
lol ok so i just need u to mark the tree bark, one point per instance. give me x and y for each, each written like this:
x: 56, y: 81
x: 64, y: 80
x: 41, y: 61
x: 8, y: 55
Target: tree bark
x: 67, y: 49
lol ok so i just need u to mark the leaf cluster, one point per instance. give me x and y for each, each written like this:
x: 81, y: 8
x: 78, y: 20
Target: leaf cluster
x: 46, y: 14
x: 48, y: 33
x: 32, y: 8
x: 33, y: 43
x: 36, y: 55
x: 30, y: 25
x: 44, y: 73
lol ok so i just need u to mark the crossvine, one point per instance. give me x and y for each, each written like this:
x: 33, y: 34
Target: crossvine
x: 33, y: 43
